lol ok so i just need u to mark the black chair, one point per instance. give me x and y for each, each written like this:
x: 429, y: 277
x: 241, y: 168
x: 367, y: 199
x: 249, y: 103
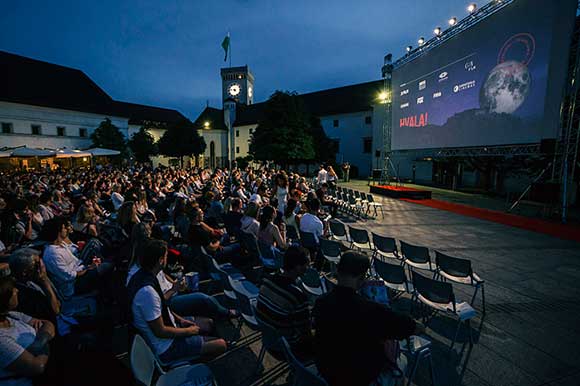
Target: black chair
x: 338, y: 230
x: 331, y: 251
x: 302, y: 376
x: 459, y: 271
x: 359, y: 238
x: 439, y: 297
x: 371, y: 203
x: 308, y: 240
x: 292, y: 234
x: 311, y: 282
x: 393, y: 275
x: 384, y: 246
x: 416, y: 257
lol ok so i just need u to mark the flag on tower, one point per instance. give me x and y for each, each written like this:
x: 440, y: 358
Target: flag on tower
x: 226, y: 45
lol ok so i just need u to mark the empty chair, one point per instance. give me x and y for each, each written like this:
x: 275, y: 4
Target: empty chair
x: 246, y: 299
x: 359, y: 238
x: 354, y: 206
x: 393, y: 275
x: 374, y: 205
x: 308, y: 240
x: 198, y: 375
x: 416, y: 257
x: 292, y: 233
x: 222, y: 272
x: 331, y: 251
x: 311, y: 282
x: 439, y: 297
x: 384, y: 246
x: 302, y: 376
x: 143, y: 362
x: 417, y: 348
x: 270, y: 256
x: 459, y: 271
x: 338, y: 230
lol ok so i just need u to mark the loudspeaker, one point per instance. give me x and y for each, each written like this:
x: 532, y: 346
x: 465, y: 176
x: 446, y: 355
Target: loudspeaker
x: 377, y: 153
x: 548, y: 146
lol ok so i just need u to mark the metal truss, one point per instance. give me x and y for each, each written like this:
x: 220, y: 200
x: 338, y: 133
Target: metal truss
x: 490, y: 151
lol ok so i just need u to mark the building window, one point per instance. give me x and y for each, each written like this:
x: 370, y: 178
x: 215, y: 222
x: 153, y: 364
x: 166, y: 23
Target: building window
x: 82, y: 132
x: 368, y: 120
x: 251, y: 131
x: 335, y: 123
x: 237, y: 133
x: 7, y: 128
x: 237, y: 150
x: 367, y: 144
x: 60, y: 131
x: 35, y: 129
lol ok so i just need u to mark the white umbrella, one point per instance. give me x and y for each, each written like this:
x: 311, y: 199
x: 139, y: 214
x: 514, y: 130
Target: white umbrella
x: 70, y: 153
x: 5, y: 154
x: 31, y: 152
x: 99, y: 151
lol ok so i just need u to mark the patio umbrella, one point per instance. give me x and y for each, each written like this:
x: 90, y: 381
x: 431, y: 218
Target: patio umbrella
x: 99, y: 151
x: 70, y: 153
x: 31, y: 152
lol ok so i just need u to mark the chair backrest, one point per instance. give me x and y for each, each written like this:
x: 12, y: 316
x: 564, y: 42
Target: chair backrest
x: 311, y: 278
x: 328, y: 284
x: 433, y: 290
x: 245, y: 306
x: 384, y: 244
x: 351, y: 192
x: 370, y: 198
x: 415, y: 253
x: 308, y: 240
x: 330, y: 248
x: 142, y: 360
x: 337, y: 228
x: 193, y: 375
x: 302, y: 376
x: 357, y: 194
x: 271, y: 338
x: 351, y: 200
x: 452, y: 265
x: 391, y: 273
x: 359, y: 236
x: 291, y: 233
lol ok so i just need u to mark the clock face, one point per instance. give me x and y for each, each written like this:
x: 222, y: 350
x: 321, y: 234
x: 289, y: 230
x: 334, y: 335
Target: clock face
x: 234, y: 89
x: 250, y: 91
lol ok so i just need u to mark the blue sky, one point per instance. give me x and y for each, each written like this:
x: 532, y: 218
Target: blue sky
x: 167, y: 52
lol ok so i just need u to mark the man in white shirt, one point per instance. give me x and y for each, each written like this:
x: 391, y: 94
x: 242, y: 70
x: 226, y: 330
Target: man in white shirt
x: 322, y: 176
x: 259, y: 197
x: 312, y: 224
x: 170, y: 336
x: 116, y: 197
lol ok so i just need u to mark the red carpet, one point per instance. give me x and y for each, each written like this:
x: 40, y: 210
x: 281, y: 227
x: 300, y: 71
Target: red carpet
x: 567, y: 232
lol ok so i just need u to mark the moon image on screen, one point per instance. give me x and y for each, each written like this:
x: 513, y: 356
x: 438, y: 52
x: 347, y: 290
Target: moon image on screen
x: 505, y: 88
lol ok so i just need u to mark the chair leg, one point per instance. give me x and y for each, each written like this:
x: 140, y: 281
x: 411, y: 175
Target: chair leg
x: 261, y: 358
x: 456, y: 333
x: 416, y: 360
x: 483, y: 296
x: 431, y: 368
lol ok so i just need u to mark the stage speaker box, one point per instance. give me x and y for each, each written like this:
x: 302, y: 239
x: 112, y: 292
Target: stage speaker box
x: 377, y: 174
x: 545, y: 192
x: 377, y: 153
x: 548, y: 146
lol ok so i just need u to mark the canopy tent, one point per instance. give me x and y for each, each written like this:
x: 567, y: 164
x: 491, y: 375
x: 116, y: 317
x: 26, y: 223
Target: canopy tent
x: 70, y: 153
x: 31, y: 152
x: 100, y: 152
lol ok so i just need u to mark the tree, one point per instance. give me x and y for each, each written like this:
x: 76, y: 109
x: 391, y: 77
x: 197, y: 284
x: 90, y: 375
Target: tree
x: 283, y: 135
x: 181, y: 139
x: 324, y: 147
x: 143, y: 145
x: 109, y: 136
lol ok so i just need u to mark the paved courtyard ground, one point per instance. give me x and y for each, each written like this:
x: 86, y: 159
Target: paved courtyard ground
x: 530, y: 333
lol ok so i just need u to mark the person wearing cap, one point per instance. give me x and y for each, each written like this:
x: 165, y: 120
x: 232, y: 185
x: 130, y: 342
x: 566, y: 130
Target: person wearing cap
x: 353, y: 334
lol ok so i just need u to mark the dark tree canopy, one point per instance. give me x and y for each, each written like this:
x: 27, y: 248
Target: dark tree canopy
x: 283, y: 135
x: 181, y: 140
x: 324, y: 147
x: 143, y: 145
x: 109, y: 136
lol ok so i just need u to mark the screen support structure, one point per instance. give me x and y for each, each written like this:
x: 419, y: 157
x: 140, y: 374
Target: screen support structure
x: 387, y: 128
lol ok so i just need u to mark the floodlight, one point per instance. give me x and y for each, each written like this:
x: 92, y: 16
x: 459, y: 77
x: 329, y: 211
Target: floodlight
x: 421, y: 41
x: 437, y: 31
x: 452, y: 21
x: 471, y: 7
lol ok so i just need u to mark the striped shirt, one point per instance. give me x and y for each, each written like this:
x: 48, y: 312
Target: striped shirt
x: 283, y: 306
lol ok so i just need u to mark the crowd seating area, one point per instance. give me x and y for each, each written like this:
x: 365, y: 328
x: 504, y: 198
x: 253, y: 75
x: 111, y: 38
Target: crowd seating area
x: 78, y: 248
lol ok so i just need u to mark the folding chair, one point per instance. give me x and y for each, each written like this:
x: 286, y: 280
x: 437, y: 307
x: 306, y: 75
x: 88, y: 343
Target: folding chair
x: 271, y: 258
x: 373, y: 204
x: 417, y: 348
x: 359, y: 238
x: 302, y: 376
x: 331, y: 251
x: 393, y: 275
x: 292, y: 234
x: 416, y: 257
x: 308, y: 240
x: 439, y: 297
x: 271, y: 342
x: 311, y: 282
x: 459, y: 271
x: 327, y: 284
x: 384, y: 247
x: 198, y: 375
x: 222, y: 272
x: 338, y: 230
x: 355, y: 206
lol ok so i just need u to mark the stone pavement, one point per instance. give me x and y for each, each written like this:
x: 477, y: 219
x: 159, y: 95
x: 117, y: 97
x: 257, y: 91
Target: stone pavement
x: 529, y: 334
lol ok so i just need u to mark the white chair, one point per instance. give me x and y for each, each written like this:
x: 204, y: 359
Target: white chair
x: 143, y: 362
x: 193, y: 375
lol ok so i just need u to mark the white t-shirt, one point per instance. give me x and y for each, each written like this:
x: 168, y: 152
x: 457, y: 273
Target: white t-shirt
x: 311, y: 223
x: 62, y: 266
x: 322, y: 176
x: 117, y: 200
x: 13, y: 341
x: 164, y: 283
x: 147, y: 307
x: 256, y: 198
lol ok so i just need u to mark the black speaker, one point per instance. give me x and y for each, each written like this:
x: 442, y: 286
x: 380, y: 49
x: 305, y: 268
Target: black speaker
x: 548, y: 146
x: 377, y: 153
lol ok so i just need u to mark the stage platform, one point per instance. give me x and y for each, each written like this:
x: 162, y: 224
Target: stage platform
x: 401, y: 192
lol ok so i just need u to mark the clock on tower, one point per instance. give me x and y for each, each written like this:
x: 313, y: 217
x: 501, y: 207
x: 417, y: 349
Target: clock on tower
x: 238, y: 84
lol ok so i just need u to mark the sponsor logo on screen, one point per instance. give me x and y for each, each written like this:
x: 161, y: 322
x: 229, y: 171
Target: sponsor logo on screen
x: 464, y: 86
x: 470, y: 66
x: 436, y: 94
x: 420, y: 100
x: 405, y: 105
x: 422, y: 85
x: 443, y: 76
x: 404, y: 92
x: 414, y: 120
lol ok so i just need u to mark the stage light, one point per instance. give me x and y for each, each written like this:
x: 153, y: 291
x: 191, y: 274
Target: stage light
x: 383, y: 97
x: 206, y: 124
x: 452, y: 21
x: 409, y: 48
x: 471, y: 7
x: 437, y: 31
x: 421, y: 41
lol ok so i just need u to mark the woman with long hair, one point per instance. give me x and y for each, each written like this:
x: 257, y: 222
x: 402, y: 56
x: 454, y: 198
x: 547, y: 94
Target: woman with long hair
x: 282, y: 191
x: 127, y: 216
x: 269, y: 234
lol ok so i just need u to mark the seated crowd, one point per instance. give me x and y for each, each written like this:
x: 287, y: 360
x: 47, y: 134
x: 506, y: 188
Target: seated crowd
x: 126, y: 239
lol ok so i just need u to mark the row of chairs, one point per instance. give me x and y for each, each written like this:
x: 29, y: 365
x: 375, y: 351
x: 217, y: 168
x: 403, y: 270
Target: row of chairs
x: 355, y: 202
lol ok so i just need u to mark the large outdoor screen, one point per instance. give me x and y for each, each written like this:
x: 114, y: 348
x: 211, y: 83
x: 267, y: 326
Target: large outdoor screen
x: 499, y: 82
